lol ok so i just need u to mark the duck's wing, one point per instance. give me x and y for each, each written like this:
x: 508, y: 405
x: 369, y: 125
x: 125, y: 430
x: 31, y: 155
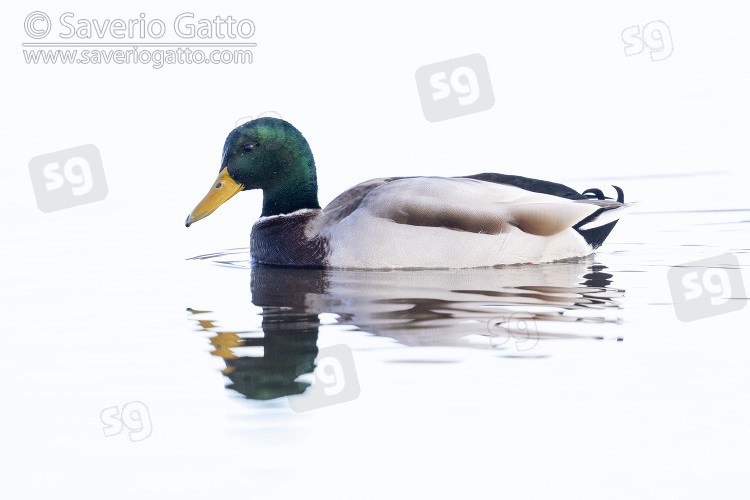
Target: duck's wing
x: 348, y: 201
x: 526, y: 183
x: 596, y: 227
x: 472, y: 204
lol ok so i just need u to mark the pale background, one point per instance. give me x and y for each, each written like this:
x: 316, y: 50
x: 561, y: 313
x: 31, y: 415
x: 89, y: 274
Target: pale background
x: 569, y: 107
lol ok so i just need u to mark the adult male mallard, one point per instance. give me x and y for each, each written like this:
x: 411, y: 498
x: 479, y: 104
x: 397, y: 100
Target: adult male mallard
x: 401, y: 222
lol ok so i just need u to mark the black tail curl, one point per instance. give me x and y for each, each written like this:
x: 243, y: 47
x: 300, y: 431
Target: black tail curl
x: 599, y: 195
x: 596, y: 236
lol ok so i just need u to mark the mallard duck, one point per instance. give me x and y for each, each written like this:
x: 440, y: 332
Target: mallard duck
x: 478, y: 220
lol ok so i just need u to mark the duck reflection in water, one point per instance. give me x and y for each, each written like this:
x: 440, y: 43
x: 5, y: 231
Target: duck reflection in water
x: 509, y: 309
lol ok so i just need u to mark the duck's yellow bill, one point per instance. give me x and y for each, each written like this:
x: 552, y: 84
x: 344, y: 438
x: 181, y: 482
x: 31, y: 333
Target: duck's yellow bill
x: 223, y: 189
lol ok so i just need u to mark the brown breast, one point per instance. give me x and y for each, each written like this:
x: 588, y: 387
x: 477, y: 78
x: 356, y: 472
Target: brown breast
x: 281, y: 240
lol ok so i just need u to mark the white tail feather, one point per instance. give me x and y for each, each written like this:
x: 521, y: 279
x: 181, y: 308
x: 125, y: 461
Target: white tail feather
x: 610, y: 216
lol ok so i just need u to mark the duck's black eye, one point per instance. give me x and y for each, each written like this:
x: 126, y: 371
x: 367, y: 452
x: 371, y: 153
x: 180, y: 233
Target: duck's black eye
x: 249, y: 146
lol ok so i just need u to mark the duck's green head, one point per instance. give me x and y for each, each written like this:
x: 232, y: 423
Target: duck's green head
x: 268, y: 154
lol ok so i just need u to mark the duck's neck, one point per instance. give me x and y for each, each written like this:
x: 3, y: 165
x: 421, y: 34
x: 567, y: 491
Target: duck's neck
x: 298, y: 190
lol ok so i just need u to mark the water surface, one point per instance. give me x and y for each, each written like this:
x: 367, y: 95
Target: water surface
x: 522, y: 381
